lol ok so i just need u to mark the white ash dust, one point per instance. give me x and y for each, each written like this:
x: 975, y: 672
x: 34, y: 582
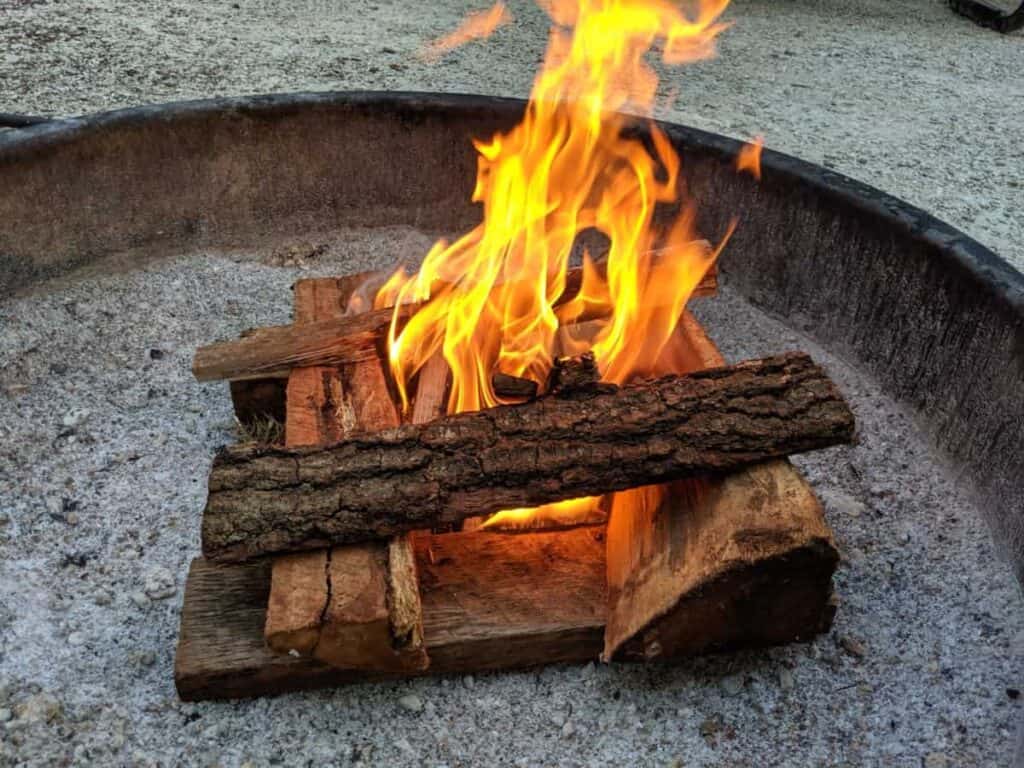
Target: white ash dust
x: 105, y: 443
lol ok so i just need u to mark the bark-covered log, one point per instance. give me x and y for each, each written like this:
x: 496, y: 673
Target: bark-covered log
x: 264, y: 500
x: 743, y: 559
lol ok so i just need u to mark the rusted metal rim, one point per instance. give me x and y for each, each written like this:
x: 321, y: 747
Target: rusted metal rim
x: 965, y: 254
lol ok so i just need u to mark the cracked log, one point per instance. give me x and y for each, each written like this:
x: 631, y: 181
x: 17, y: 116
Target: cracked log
x: 355, y: 606
x: 264, y: 500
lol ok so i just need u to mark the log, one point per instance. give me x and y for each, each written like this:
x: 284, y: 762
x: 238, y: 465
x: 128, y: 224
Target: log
x: 272, y: 352
x: 354, y: 606
x: 742, y: 560
x: 320, y: 298
x: 264, y: 499
x: 490, y: 602
x: 357, y: 606
x: 355, y: 632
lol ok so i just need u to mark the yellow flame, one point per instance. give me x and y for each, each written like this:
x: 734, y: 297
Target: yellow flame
x: 475, y: 26
x: 749, y: 158
x: 571, y: 512
x: 489, y: 300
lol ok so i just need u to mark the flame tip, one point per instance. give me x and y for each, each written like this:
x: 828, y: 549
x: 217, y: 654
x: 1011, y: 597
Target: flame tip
x: 493, y: 299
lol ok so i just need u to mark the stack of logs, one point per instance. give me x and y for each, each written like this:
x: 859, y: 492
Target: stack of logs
x: 342, y: 555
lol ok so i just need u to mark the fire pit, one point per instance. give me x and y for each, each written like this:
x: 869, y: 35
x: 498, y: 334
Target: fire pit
x: 929, y: 312
x: 932, y: 317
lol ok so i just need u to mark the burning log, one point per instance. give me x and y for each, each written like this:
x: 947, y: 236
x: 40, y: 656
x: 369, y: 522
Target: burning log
x: 510, y: 387
x: 357, y: 606
x: 493, y: 601
x: 264, y: 500
x: 740, y: 560
x: 273, y: 352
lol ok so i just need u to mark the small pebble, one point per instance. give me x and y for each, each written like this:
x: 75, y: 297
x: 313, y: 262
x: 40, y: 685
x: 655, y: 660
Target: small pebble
x: 710, y: 726
x: 159, y: 583
x: 841, y: 504
x: 854, y: 647
x: 568, y: 730
x: 140, y: 599
x: 411, y: 703
x: 732, y: 685
x: 5, y: 714
x: 468, y: 681
x: 76, y: 639
x: 786, y: 681
x: 76, y: 417
x: 40, y: 708
x: 936, y: 760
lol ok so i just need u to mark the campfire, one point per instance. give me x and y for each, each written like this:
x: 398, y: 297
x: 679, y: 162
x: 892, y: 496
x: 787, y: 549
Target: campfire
x: 527, y: 450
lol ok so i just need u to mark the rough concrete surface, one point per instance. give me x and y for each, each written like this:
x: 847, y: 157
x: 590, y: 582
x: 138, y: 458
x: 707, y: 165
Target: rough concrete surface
x: 105, y: 439
x: 105, y: 444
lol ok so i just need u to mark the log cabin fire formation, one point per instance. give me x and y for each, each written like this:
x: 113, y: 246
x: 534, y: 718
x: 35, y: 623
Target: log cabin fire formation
x: 525, y: 450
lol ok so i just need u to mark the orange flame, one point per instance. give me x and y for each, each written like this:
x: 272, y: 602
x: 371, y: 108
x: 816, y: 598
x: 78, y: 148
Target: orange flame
x: 749, y: 158
x: 475, y: 26
x: 489, y: 299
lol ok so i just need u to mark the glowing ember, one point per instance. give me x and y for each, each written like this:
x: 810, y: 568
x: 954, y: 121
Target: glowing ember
x: 489, y: 298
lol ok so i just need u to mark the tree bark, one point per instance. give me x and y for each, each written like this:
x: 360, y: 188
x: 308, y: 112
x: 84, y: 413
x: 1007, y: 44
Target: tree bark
x: 264, y: 500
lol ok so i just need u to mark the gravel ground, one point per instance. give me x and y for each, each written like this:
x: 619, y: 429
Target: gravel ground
x: 901, y: 94
x: 105, y: 439
x: 103, y: 459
